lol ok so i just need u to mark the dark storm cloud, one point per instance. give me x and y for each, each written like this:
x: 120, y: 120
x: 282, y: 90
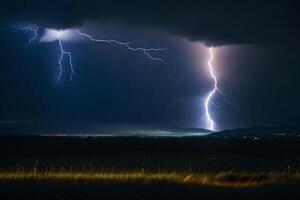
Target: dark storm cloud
x: 113, y: 85
x: 214, y: 22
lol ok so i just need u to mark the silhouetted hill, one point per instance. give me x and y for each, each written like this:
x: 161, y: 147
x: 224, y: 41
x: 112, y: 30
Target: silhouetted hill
x: 259, y: 132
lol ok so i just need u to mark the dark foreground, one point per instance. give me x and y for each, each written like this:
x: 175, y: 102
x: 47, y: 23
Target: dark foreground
x: 150, y: 154
x: 151, y: 192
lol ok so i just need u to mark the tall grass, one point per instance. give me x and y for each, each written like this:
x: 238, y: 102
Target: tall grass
x: 226, y: 179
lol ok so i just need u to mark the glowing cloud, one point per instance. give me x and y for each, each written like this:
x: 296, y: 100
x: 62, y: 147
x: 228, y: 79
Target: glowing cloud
x: 50, y: 35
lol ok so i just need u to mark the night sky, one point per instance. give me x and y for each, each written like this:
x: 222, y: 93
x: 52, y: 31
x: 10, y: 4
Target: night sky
x: 256, y: 61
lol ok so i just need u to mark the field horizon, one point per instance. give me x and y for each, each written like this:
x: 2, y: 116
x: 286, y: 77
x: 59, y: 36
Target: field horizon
x: 99, y: 165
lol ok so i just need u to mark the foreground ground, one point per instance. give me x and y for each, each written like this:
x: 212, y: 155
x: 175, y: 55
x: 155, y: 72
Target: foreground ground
x: 136, y: 191
x: 149, y: 168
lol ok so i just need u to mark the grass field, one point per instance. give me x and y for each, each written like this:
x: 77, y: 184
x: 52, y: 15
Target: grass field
x: 52, y: 168
x: 225, y: 179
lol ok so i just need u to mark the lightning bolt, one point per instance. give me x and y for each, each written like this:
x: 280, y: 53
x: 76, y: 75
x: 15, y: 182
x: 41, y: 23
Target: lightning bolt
x: 34, y: 31
x: 145, y: 51
x: 210, y: 121
x: 214, y: 90
x: 62, y: 54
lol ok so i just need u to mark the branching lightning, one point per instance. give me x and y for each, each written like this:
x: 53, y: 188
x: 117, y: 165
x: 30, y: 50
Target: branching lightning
x: 125, y: 44
x: 210, y: 123
x: 62, y: 54
x: 35, y: 30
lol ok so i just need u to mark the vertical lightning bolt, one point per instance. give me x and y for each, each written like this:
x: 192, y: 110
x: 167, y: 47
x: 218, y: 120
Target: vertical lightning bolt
x: 145, y: 51
x: 210, y: 121
x: 208, y: 100
x: 62, y: 54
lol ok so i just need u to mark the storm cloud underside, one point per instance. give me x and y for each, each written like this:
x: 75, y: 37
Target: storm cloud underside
x: 213, y: 22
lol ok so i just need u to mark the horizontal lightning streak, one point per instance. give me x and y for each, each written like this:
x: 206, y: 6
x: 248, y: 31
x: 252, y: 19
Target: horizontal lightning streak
x: 127, y: 45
